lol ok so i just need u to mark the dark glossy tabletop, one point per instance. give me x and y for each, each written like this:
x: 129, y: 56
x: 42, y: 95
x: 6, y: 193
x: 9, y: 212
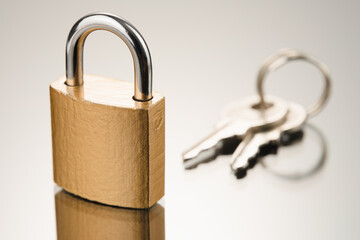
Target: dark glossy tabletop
x: 205, y: 55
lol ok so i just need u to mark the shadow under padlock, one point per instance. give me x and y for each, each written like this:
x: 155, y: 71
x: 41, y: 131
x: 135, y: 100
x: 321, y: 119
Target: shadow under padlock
x: 77, y: 218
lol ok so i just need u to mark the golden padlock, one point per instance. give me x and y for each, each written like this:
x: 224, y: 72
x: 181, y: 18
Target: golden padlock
x: 108, y: 145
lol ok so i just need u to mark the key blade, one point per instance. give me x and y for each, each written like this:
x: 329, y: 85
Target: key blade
x: 205, y: 156
x: 290, y: 138
x: 211, y: 146
x: 254, y: 145
x: 245, y: 117
x: 229, y: 133
x: 224, y: 147
x: 258, y: 144
x: 292, y: 131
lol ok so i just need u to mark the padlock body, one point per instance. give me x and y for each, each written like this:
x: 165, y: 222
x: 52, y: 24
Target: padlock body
x: 107, y: 147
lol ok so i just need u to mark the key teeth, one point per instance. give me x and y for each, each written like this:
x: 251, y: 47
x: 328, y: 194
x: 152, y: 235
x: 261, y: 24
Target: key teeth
x: 291, y: 138
x: 240, y: 173
x: 270, y: 148
x: 252, y: 162
x: 266, y: 149
x: 229, y: 145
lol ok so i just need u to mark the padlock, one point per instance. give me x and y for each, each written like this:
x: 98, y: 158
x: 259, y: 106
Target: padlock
x: 108, y: 144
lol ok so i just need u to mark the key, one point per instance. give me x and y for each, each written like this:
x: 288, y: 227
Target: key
x: 259, y: 144
x: 231, y: 131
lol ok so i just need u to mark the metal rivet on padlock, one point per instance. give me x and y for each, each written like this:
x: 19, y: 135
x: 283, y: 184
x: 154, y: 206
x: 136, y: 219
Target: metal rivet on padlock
x: 108, y: 144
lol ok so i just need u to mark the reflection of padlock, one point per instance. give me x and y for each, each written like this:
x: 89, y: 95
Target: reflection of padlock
x: 78, y: 219
x: 108, y: 145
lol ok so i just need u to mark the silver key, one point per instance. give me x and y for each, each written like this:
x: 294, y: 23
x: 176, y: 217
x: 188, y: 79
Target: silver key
x: 247, y: 117
x: 259, y: 144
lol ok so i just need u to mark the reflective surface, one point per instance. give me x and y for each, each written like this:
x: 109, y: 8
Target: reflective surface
x: 205, y: 55
x: 292, y: 161
x: 77, y: 218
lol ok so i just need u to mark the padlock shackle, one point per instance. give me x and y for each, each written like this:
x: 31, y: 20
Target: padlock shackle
x: 123, y: 29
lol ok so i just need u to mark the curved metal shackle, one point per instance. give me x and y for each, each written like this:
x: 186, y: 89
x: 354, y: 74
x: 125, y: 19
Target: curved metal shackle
x: 123, y: 29
x: 281, y: 58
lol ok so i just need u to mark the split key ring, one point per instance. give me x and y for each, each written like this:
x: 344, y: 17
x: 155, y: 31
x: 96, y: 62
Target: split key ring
x: 281, y: 58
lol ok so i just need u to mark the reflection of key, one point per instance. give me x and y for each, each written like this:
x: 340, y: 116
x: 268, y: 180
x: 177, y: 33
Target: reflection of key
x: 259, y: 144
x: 230, y: 132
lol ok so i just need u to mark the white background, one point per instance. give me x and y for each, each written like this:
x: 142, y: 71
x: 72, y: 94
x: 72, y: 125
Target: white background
x: 205, y: 54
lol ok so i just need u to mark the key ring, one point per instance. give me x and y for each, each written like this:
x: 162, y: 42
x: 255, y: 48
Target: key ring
x: 281, y: 58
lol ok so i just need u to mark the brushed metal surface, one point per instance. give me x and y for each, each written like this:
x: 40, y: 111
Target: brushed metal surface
x: 106, y: 146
